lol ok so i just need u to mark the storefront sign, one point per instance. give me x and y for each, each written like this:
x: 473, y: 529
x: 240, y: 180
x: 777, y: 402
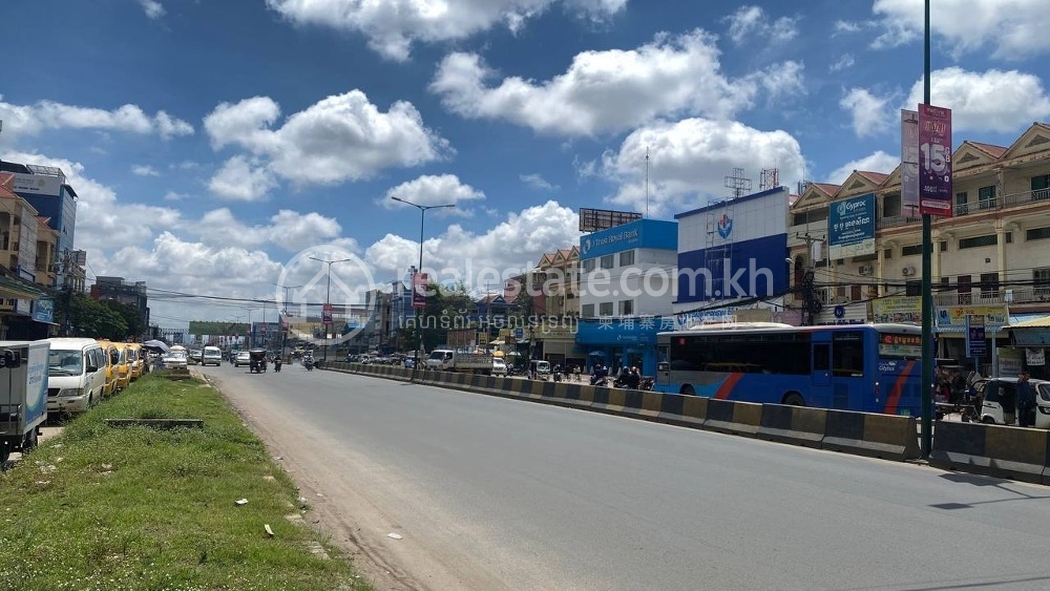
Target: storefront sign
x: 1031, y: 337
x: 953, y: 318
x: 897, y: 309
x: 44, y: 310
x: 1035, y: 357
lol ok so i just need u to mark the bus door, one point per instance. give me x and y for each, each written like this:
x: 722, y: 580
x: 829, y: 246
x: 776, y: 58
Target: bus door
x: 663, y: 364
x: 821, y: 367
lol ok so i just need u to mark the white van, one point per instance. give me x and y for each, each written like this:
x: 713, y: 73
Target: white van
x: 76, y: 374
x: 212, y: 355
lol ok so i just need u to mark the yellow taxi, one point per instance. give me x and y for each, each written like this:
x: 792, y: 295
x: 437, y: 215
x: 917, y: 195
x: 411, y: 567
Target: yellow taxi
x: 136, y: 356
x: 123, y: 366
x: 112, y: 358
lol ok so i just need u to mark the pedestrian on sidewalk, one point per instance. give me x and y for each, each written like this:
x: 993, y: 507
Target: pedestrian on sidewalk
x: 1025, y: 401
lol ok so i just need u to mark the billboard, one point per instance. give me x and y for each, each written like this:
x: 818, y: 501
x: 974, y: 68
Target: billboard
x: 953, y: 318
x: 596, y: 220
x: 935, y: 161
x: 897, y: 309
x: 38, y: 184
x: 203, y: 327
x: 734, y: 249
x: 655, y: 234
x: 909, y: 163
x: 851, y: 227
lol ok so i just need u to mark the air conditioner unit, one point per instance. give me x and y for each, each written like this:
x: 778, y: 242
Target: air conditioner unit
x: 908, y: 271
x: 866, y: 269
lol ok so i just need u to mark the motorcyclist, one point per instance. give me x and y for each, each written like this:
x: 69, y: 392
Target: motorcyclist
x: 599, y: 376
x: 308, y: 360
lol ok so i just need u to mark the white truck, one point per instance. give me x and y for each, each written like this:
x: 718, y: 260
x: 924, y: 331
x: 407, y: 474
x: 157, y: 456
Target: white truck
x: 23, y: 394
x: 452, y: 360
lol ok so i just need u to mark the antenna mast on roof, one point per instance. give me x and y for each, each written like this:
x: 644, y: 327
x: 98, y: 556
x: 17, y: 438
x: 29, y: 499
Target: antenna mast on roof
x: 647, y: 181
x: 738, y: 183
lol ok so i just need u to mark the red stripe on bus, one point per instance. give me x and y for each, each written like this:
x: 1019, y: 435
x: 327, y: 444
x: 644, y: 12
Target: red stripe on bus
x: 728, y: 385
x: 898, y: 388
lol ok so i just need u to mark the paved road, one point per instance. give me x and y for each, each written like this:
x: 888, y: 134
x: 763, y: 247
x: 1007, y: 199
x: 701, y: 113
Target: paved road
x: 492, y: 493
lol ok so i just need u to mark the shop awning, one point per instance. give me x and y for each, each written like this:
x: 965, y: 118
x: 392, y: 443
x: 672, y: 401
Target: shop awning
x: 15, y: 289
x: 1030, y: 321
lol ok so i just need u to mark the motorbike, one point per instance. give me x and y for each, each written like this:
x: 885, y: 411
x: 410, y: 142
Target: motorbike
x: 277, y: 365
x: 557, y: 374
x: 308, y: 363
x: 257, y: 361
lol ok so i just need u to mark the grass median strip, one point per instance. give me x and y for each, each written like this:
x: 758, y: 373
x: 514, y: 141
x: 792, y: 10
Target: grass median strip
x: 136, y: 507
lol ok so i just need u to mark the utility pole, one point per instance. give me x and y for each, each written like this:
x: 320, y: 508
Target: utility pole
x: 811, y: 304
x: 927, y: 281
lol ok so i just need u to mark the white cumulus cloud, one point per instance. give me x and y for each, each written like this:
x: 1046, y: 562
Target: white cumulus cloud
x: 154, y: 10
x: 994, y: 100
x: 754, y: 20
x: 240, y: 179
x: 392, y: 26
x: 340, y: 138
x: 689, y: 159
x: 432, y: 190
x: 1011, y: 29
x: 32, y: 119
x: 868, y: 112
x: 143, y: 170
x: 877, y: 162
x: 612, y: 90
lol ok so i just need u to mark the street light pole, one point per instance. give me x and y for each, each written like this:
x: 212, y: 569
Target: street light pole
x: 926, y: 427
x: 422, y: 220
x: 328, y: 301
x: 284, y: 335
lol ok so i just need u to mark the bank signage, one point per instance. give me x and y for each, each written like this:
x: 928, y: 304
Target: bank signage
x: 851, y: 227
x: 644, y: 233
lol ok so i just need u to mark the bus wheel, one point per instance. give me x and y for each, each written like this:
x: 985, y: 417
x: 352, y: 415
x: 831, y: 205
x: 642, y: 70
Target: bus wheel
x: 688, y: 390
x: 794, y: 399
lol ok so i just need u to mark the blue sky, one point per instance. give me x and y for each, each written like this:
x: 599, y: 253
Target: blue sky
x: 212, y: 142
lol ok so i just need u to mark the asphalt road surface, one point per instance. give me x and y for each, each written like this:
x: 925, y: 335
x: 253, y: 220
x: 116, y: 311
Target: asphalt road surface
x: 488, y: 493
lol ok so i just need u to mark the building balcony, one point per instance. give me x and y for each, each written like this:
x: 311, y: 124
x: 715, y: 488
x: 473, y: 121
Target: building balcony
x: 1013, y: 295
x: 1037, y: 197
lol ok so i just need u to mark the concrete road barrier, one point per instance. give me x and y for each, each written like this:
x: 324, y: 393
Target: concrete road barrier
x: 797, y: 425
x: 736, y: 418
x: 869, y: 434
x: 993, y: 450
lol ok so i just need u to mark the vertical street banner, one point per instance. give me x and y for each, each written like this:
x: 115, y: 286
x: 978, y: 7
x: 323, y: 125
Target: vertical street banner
x: 935, y: 161
x: 326, y: 313
x: 419, y: 290
x: 909, y: 163
x: 975, y: 336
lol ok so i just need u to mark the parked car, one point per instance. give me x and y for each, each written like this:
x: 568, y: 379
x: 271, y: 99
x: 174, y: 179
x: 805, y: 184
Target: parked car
x: 243, y: 358
x: 999, y: 401
x: 76, y: 377
x: 176, y: 358
x: 211, y: 355
x: 499, y: 367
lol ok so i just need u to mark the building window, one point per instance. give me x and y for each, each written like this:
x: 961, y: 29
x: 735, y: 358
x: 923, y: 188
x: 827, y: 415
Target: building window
x: 808, y: 217
x: 960, y: 202
x: 965, y: 285
x: 588, y: 265
x: 989, y: 284
x: 626, y: 258
x: 887, y: 253
x: 627, y: 308
x: 588, y: 311
x: 608, y: 261
x: 1041, y: 187
x: 911, y: 251
x: 605, y: 309
x: 944, y: 246
x: 978, y: 241
x: 856, y: 293
x: 891, y: 205
x: 1041, y: 281
x: 1009, y: 237
x: 1037, y: 233
x: 986, y: 197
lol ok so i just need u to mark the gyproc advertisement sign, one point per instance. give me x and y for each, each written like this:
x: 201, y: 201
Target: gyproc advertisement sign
x: 851, y: 227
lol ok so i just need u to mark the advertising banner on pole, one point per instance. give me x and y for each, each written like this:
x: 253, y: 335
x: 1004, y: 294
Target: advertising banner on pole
x: 326, y: 313
x: 975, y: 335
x: 851, y: 227
x: 909, y: 163
x: 419, y: 290
x: 935, y: 161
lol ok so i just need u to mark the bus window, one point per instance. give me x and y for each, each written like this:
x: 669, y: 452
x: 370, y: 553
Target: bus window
x: 848, y: 354
x: 821, y: 358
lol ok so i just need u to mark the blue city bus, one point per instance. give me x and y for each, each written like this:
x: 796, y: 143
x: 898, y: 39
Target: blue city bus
x: 858, y: 367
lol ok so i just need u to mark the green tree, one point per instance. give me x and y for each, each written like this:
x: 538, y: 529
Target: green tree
x: 88, y: 318
x: 136, y: 325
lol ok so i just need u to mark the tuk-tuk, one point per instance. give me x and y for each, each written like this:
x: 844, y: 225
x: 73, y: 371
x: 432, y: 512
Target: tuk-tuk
x: 257, y: 360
